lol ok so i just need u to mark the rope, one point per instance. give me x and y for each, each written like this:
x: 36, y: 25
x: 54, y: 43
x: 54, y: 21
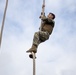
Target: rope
x: 3, y: 22
x: 34, y: 65
x: 42, y: 13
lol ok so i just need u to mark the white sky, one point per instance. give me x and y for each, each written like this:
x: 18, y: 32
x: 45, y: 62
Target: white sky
x: 57, y: 56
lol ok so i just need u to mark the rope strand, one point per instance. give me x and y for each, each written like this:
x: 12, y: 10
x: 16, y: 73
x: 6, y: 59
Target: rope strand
x: 3, y: 22
x: 34, y: 64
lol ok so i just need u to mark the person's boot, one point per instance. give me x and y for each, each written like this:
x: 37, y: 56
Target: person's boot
x: 32, y: 49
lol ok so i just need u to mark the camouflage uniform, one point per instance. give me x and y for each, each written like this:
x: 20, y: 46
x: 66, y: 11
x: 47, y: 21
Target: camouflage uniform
x: 47, y: 26
x: 39, y: 37
x: 43, y: 35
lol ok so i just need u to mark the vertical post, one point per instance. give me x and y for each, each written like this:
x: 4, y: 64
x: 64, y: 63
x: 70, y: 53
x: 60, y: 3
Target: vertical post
x: 3, y: 22
x: 34, y: 65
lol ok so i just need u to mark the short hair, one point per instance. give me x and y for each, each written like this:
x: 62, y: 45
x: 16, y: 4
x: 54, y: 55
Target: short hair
x: 52, y: 15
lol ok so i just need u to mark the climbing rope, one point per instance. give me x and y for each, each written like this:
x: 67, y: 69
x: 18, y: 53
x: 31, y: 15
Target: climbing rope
x: 1, y: 32
x: 34, y: 64
x: 42, y: 13
x: 32, y: 55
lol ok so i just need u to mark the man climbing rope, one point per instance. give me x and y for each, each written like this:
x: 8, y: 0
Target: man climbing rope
x: 43, y: 35
x: 46, y: 29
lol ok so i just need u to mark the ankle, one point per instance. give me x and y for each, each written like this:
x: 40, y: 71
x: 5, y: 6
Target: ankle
x: 35, y: 45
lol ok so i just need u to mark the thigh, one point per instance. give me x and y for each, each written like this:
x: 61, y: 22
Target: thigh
x: 36, y: 34
x: 44, y: 36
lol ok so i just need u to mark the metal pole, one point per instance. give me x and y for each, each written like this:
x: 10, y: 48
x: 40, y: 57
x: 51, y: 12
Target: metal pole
x: 34, y: 64
x: 3, y: 22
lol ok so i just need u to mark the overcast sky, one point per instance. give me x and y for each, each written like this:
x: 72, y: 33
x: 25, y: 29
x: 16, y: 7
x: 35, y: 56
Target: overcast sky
x: 56, y: 56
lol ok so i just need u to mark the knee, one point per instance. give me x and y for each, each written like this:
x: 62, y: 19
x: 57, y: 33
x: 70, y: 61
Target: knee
x: 36, y: 33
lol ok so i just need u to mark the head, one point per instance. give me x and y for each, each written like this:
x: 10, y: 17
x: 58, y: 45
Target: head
x: 51, y: 16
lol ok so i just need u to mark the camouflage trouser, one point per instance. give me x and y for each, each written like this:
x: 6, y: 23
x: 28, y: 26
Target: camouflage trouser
x: 40, y: 37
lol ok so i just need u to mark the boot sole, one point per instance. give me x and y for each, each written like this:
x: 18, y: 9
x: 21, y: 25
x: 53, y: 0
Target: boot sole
x: 31, y: 56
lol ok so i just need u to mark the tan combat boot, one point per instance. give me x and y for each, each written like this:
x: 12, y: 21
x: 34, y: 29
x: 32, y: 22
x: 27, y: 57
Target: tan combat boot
x: 32, y: 49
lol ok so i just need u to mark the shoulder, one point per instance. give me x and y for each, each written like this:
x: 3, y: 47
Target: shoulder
x: 53, y: 21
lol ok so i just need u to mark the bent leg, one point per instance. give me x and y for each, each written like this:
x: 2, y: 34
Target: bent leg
x: 35, y: 44
x: 39, y: 37
x: 44, y: 36
x: 36, y: 40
